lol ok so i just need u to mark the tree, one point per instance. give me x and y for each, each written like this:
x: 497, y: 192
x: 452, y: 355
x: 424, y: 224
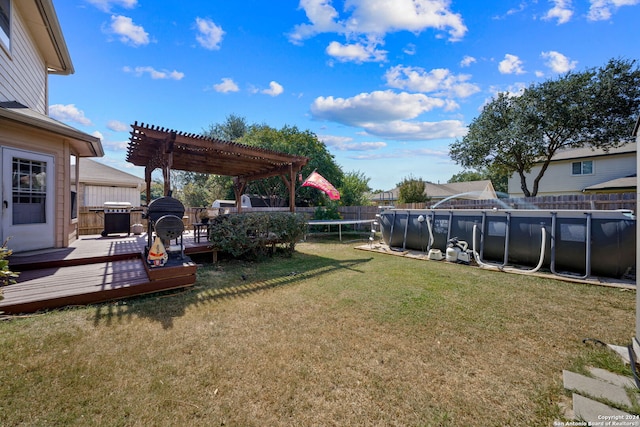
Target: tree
x: 157, y: 191
x: 411, y: 190
x: 354, y: 189
x: 196, y: 189
x: 594, y: 108
x: 233, y: 128
x: 291, y: 140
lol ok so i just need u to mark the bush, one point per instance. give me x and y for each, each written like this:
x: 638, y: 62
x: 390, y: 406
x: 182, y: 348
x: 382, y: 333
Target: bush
x: 327, y: 212
x: 256, y: 232
x: 7, y: 277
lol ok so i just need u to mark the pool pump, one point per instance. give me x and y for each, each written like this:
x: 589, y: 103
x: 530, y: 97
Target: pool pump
x: 457, y: 251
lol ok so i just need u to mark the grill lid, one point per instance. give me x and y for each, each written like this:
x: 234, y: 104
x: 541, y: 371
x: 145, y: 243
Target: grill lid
x: 165, y: 206
x: 117, y: 205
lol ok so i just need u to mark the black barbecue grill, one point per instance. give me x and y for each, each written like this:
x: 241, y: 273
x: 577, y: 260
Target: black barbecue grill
x: 165, y: 219
x: 117, y: 217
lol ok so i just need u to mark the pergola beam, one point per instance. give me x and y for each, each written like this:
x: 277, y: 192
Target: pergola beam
x: 154, y: 147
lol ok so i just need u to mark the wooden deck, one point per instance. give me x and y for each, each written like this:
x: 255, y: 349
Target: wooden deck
x: 94, y: 269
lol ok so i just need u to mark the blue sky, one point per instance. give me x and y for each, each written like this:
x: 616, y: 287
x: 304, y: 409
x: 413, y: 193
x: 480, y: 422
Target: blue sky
x: 388, y: 85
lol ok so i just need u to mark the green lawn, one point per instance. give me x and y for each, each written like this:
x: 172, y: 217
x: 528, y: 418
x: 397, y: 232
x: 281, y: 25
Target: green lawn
x: 330, y: 336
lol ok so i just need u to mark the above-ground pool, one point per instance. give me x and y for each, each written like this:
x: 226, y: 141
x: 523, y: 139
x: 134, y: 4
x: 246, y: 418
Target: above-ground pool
x: 577, y: 243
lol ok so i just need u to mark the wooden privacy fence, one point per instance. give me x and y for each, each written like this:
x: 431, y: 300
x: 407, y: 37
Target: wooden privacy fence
x: 572, y: 202
x: 93, y: 223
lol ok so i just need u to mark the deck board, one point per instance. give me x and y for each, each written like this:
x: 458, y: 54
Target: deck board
x: 93, y: 269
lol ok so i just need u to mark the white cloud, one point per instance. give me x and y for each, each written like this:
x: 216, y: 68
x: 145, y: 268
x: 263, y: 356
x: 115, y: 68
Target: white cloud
x: 373, y: 19
x: 117, y: 126
x: 129, y: 32
x: 558, y: 62
x: 356, y: 52
x: 562, y: 11
x: 98, y: 135
x: 410, y: 49
x: 601, y: 10
x: 511, y: 64
x: 115, y: 145
x: 275, y: 89
x: 384, y: 16
x: 467, y: 61
x: 378, y: 106
x: 68, y: 113
x: 322, y: 16
x: 227, y: 85
x: 155, y: 74
x: 345, y: 143
x: 439, y: 81
x: 209, y: 34
x: 405, y: 130
x: 106, y: 5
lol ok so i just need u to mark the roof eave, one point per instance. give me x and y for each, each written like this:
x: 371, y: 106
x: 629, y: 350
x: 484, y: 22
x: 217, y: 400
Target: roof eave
x: 45, y: 28
x: 84, y: 144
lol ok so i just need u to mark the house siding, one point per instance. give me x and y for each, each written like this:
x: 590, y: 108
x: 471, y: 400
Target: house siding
x: 96, y: 195
x: 23, y: 73
x: 558, y: 178
x: 26, y: 138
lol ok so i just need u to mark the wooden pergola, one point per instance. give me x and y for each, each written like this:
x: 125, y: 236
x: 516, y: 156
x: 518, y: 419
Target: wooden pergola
x: 154, y: 147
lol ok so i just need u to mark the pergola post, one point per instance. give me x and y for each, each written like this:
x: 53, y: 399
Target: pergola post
x: 147, y: 178
x: 239, y: 186
x: 292, y: 189
x: 167, y: 163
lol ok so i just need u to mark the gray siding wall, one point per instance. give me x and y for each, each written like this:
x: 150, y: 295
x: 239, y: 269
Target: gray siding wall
x: 558, y: 180
x: 23, y: 73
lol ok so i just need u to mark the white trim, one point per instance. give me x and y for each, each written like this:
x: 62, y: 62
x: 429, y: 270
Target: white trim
x: 582, y: 162
x: 5, y: 39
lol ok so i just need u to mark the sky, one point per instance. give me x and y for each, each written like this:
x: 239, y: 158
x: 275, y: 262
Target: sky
x: 387, y: 85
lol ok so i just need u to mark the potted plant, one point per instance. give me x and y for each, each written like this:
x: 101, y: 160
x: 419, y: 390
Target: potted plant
x: 204, y: 216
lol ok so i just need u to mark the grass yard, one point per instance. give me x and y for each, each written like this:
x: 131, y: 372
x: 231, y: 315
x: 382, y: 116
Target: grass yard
x: 331, y: 336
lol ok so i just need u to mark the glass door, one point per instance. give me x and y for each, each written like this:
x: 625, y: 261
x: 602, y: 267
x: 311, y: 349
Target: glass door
x: 27, y: 200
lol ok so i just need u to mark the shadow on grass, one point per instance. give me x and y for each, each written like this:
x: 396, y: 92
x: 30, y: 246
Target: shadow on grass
x: 233, y: 283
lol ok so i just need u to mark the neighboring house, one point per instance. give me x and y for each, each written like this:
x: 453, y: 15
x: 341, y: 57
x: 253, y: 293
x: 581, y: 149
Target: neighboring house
x: 480, y: 190
x: 100, y: 183
x: 583, y: 170
x: 36, y: 152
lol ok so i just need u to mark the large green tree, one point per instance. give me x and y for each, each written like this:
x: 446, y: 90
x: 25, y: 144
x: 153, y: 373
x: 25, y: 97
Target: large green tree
x: 354, y: 189
x: 412, y: 190
x: 196, y: 189
x: 594, y: 108
x: 232, y: 129
x: 291, y: 140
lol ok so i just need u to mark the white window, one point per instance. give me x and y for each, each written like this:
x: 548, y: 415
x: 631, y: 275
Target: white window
x: 582, y: 168
x: 5, y: 23
x: 29, y: 191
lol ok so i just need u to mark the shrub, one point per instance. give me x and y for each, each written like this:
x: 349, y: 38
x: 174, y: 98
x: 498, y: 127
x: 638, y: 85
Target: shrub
x: 256, y: 232
x: 7, y: 276
x: 325, y: 213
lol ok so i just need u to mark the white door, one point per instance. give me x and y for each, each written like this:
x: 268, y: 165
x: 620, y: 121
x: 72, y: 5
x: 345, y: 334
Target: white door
x: 27, y: 200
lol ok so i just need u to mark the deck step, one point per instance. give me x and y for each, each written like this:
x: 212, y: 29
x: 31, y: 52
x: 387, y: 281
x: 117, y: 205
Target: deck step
x: 87, y: 284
